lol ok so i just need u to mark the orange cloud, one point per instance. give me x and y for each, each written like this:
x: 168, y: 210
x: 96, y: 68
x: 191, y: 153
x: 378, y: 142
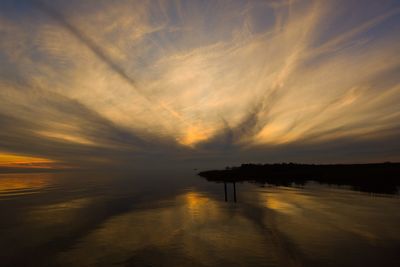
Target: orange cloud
x: 21, y: 161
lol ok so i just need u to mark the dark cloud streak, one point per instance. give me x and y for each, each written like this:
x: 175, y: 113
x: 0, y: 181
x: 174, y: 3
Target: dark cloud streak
x: 89, y: 43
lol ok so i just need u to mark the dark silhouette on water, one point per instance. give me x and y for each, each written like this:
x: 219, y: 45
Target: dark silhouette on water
x: 374, y: 178
x: 226, y: 195
x: 226, y: 191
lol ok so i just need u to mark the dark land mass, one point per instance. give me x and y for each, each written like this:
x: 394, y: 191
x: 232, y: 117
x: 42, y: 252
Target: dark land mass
x: 375, y: 177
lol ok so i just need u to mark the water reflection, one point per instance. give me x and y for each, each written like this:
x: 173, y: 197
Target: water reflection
x: 186, y: 232
x: 19, y: 184
x: 92, y: 219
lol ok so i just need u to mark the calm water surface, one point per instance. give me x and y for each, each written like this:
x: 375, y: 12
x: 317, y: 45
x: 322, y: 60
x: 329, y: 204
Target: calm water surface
x: 179, y: 219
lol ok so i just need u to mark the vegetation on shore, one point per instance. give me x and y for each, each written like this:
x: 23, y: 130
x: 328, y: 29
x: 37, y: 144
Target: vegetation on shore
x: 373, y: 177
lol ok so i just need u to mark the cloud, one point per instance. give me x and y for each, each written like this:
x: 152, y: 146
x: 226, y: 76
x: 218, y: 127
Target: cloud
x: 115, y: 82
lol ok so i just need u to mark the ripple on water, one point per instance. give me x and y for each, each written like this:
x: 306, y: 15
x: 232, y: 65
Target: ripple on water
x: 17, y: 185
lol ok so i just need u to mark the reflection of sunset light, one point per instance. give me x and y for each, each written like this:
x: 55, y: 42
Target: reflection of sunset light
x: 194, y: 200
x: 191, y: 234
x: 282, y: 203
x: 200, y: 206
x: 324, y: 204
x: 23, y: 181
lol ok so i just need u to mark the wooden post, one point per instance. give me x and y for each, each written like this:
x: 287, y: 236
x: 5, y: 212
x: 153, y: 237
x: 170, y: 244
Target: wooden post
x: 234, y: 191
x: 226, y: 195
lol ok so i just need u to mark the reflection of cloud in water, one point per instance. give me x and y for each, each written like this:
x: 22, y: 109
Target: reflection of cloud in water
x: 199, y: 206
x: 197, y: 229
x: 277, y: 204
x: 318, y: 220
x: 19, y: 184
x: 61, y: 212
x: 102, y: 224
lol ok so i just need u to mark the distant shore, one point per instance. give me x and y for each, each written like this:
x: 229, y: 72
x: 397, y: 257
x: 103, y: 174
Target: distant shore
x: 372, y: 177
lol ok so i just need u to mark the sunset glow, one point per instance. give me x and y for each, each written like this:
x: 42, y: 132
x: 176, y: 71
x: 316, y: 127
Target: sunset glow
x: 10, y: 160
x: 117, y: 81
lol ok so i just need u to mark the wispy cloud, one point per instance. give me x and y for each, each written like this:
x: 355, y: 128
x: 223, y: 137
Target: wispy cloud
x: 121, y: 81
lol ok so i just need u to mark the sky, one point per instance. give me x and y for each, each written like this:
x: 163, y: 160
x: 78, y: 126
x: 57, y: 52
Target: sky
x: 198, y: 83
